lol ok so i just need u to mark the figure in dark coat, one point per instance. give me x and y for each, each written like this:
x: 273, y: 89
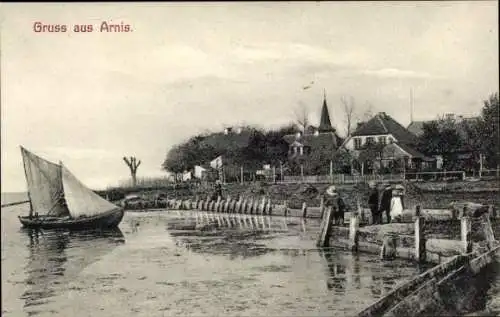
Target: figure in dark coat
x: 373, y: 200
x: 334, y: 201
x: 385, y: 203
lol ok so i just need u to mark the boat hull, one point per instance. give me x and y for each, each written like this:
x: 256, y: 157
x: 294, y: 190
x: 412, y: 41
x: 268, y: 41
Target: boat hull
x: 110, y: 219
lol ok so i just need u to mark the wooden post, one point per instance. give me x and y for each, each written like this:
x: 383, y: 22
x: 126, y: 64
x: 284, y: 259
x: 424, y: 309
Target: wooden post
x: 321, y: 208
x: 232, y: 207
x: 331, y: 171
x: 262, y: 205
x: 226, y: 205
x: 417, y: 211
x: 480, y: 165
x: 493, y: 212
x: 420, y: 251
x: 466, y: 235
x: 250, y: 205
x: 245, y: 206
x: 237, y: 206
x: 453, y: 214
x: 302, y: 172
x: 242, y: 174
x: 464, y: 212
x: 304, y: 210
x: 285, y: 211
x: 488, y: 231
x: 353, y: 233
x: 325, y: 229
x: 274, y: 174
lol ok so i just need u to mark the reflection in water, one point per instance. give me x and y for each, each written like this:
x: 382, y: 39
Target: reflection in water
x: 337, y: 272
x: 57, y: 256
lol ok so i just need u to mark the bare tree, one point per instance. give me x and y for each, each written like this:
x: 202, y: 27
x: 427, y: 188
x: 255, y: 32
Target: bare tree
x: 302, y: 116
x: 348, y: 107
x: 132, y: 164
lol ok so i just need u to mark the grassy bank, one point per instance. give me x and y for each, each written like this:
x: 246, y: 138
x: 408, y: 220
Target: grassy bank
x: 425, y: 194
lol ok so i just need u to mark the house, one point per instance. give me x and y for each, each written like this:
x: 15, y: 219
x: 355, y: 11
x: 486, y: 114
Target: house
x: 199, y: 172
x: 323, y: 138
x: 382, y: 142
x: 187, y: 175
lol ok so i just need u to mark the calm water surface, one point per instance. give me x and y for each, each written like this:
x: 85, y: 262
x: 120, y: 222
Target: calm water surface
x: 187, y: 264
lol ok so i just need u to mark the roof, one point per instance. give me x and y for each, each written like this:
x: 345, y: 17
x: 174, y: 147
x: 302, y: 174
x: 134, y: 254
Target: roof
x: 382, y: 123
x: 327, y: 139
x: 229, y: 141
x: 417, y: 127
x: 325, y: 125
x: 410, y: 150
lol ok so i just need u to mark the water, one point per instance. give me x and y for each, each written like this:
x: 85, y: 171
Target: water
x: 162, y: 264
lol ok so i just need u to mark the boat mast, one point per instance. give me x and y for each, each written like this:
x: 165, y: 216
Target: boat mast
x: 26, y: 176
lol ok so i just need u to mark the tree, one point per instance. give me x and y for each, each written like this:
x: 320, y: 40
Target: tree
x: 349, y: 108
x: 488, y: 131
x: 133, y: 164
x: 302, y: 117
x: 440, y: 137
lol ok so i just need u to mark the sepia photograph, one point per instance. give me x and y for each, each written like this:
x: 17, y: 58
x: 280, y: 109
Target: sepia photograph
x: 301, y: 158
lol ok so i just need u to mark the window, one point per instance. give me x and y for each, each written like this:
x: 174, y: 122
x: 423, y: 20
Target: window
x: 382, y: 140
x: 391, y: 140
x: 370, y: 140
x: 357, y: 143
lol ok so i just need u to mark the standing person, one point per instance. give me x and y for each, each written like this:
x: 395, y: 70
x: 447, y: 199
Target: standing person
x: 385, y: 203
x: 334, y: 201
x: 373, y: 200
x: 397, y: 204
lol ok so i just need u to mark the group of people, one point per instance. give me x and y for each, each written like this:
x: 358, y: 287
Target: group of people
x: 389, y: 201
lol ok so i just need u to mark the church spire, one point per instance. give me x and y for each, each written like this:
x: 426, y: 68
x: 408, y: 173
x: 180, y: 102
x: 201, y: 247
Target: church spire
x: 325, y: 124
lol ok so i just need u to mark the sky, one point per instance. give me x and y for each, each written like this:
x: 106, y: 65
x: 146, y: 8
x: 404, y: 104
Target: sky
x: 88, y: 99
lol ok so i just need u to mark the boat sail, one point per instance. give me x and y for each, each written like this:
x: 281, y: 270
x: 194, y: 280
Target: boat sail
x: 45, y: 189
x: 61, y: 199
x: 81, y: 201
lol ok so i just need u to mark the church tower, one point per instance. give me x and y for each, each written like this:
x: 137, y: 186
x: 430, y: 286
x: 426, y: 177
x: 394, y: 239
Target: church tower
x: 325, y: 125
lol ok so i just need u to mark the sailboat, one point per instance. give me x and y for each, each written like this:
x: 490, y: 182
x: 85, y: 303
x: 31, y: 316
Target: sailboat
x: 59, y: 200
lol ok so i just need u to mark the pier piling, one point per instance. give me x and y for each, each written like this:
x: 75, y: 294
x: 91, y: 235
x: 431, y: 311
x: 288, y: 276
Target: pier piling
x: 325, y: 228
x: 304, y: 210
x: 353, y: 233
x: 420, y: 251
x: 466, y: 235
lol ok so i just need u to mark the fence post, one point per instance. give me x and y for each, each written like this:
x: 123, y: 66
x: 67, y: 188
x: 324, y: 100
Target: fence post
x: 353, y: 233
x: 286, y: 208
x: 420, y: 251
x: 269, y: 207
x: 492, y: 212
x: 465, y: 232
x: 304, y: 209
